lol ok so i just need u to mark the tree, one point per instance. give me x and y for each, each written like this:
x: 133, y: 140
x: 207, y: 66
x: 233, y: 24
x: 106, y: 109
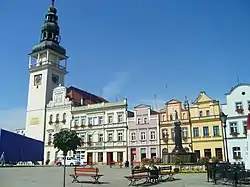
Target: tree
x: 66, y: 140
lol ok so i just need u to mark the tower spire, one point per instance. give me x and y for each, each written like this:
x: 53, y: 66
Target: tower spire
x: 53, y: 3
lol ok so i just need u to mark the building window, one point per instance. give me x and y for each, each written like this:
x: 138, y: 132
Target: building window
x: 205, y: 131
x: 238, y: 105
x: 90, y: 121
x: 139, y: 121
x: 163, y: 117
x: 143, y: 153
x: 110, y: 136
x: 48, y: 155
x: 83, y: 120
x: 76, y: 121
x: 133, y: 137
x: 207, y: 153
x: 145, y: 120
x: 201, y: 113
x: 57, y: 117
x: 216, y: 130
x: 233, y: 127
x: 143, y: 136
x: 100, y: 156
x: 95, y: 121
x: 83, y: 137
x: 172, y: 133
x: 120, y: 118
x: 119, y: 156
x: 120, y: 136
x: 50, y: 138
x: 51, y: 118
x: 100, y: 138
x: 183, y: 116
x: 152, y: 135
x: 207, y: 113
x: 100, y: 119
x: 218, y: 153
x: 236, y: 152
x: 245, y: 127
x: 196, y: 131
x: 110, y: 119
x: 184, y: 132
x: 153, y: 152
x: 171, y: 117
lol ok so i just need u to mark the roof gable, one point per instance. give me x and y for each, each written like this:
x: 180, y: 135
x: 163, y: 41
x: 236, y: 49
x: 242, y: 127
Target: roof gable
x: 203, y: 97
x: 173, y: 101
x: 142, y: 106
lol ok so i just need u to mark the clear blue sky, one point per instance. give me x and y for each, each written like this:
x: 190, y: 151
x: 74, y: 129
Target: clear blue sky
x: 131, y: 48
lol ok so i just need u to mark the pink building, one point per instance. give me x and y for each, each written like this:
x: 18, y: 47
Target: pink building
x: 143, y: 131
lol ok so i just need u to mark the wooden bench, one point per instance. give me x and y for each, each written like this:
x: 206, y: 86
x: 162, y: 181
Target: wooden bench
x: 115, y: 164
x: 86, y: 172
x: 166, y: 171
x: 137, y: 175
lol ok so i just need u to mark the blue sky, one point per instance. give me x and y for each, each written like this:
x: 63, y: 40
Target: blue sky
x: 130, y: 48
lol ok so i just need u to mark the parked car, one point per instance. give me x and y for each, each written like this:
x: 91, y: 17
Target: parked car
x: 70, y: 161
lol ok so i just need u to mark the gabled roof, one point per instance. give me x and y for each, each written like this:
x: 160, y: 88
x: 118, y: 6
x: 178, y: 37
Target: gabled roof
x: 173, y: 101
x: 76, y: 95
x: 238, y: 85
x: 142, y: 106
x: 203, y: 97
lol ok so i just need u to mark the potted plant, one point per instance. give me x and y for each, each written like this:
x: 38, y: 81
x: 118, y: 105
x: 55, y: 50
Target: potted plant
x: 76, y: 126
x: 49, y: 142
x: 64, y: 121
x: 215, y: 159
x: 234, y: 134
x: 184, y: 138
x: 239, y: 110
x: 237, y: 157
x: 82, y: 125
x: 89, y: 143
x: 165, y: 139
x: 89, y: 125
x: 50, y: 122
x: 57, y: 121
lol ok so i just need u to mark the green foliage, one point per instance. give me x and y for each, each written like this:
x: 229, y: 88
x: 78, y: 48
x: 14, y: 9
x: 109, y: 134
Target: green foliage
x: 66, y: 141
x: 215, y: 159
x: 136, y: 167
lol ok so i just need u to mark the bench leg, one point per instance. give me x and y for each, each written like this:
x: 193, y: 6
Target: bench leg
x: 75, y: 179
x: 96, y: 180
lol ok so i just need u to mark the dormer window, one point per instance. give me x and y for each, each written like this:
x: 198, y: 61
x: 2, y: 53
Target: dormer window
x: 238, y: 105
x: 145, y: 120
x: 207, y: 113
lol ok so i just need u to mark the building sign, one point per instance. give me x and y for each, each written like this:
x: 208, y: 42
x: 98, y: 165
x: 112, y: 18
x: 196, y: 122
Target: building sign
x: 34, y: 121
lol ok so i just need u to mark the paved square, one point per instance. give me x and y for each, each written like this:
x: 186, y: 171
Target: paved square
x: 113, y: 177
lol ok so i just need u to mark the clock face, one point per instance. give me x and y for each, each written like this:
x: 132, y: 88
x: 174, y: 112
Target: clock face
x: 55, y: 79
x: 38, y: 79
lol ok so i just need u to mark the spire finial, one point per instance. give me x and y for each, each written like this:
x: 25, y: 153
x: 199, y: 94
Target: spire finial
x: 53, y: 3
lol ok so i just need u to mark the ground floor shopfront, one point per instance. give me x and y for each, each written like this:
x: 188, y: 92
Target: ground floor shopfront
x: 102, y: 156
x: 136, y: 154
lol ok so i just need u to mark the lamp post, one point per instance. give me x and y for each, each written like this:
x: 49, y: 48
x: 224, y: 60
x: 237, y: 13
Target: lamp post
x: 223, y: 118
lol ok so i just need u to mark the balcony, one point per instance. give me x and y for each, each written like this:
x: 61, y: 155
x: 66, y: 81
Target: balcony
x: 102, y: 145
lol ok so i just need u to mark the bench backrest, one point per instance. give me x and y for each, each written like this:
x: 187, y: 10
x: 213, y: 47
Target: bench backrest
x: 139, y: 171
x: 86, y: 170
x: 166, y: 168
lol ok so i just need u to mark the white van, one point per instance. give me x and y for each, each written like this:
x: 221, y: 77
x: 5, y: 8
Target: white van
x: 70, y: 161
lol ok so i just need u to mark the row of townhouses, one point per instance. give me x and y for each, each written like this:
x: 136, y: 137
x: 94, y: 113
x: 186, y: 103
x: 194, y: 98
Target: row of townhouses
x: 111, y: 132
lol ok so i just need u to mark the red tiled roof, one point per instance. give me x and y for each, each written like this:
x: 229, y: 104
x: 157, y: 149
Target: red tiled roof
x: 76, y: 95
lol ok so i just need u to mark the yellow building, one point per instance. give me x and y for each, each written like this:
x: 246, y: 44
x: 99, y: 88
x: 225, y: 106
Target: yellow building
x: 201, y: 133
x: 207, y: 128
x: 167, y: 129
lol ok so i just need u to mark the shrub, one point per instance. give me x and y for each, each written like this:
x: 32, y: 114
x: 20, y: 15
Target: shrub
x: 136, y: 167
x: 176, y: 170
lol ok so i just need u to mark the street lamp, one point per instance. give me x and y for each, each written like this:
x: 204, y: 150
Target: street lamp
x: 223, y: 118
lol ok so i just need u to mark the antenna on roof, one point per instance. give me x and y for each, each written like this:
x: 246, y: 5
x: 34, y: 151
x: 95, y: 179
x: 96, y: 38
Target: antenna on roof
x: 155, y: 99
x: 238, y: 78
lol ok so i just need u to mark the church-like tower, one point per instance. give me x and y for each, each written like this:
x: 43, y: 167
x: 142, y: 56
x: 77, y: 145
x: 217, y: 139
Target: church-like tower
x: 47, y: 68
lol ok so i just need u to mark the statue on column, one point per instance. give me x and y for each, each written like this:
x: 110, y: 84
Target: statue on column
x: 176, y: 115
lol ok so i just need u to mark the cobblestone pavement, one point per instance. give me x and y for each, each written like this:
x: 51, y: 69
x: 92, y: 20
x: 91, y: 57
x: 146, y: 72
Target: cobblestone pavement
x: 113, y: 177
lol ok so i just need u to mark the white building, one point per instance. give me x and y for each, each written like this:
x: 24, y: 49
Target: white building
x: 236, y: 107
x: 103, y: 128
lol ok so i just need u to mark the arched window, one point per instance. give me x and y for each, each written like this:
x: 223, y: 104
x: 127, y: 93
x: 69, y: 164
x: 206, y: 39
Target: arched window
x: 64, y: 118
x: 57, y: 118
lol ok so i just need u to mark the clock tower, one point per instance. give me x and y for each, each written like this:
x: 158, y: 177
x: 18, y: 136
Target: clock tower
x: 47, y: 68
